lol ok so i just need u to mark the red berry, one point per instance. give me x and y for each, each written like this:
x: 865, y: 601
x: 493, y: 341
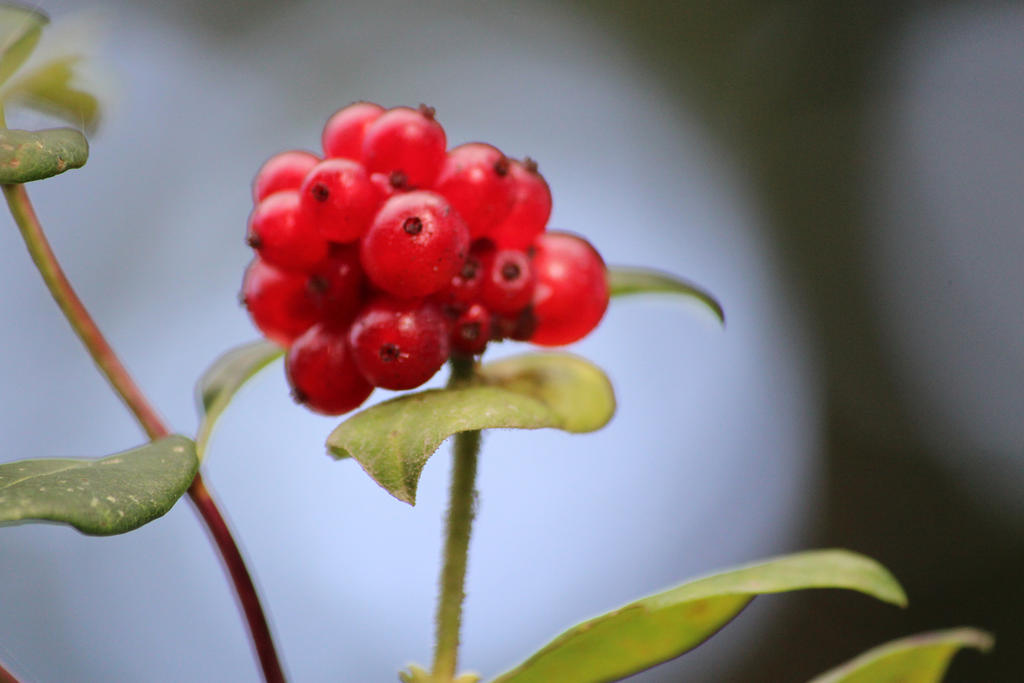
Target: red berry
x: 389, y: 184
x: 337, y: 284
x: 475, y: 179
x: 339, y: 200
x: 281, y: 236
x: 321, y: 371
x: 279, y: 301
x: 465, y: 286
x: 406, y: 140
x: 284, y: 171
x: 472, y: 330
x: 571, y: 293
x: 519, y: 326
x: 399, y: 344
x: 343, y: 133
x: 531, y: 207
x: 507, y: 285
x: 415, y: 245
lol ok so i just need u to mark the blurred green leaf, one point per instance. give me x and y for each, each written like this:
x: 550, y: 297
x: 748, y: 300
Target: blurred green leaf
x: 20, y: 28
x: 32, y: 155
x: 48, y: 88
x: 224, y: 378
x: 623, y: 281
x: 111, y: 495
x: 576, y: 390
x: 923, y: 658
x: 664, y: 626
x: 393, y: 440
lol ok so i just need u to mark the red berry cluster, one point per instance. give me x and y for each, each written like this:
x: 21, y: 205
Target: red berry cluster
x: 377, y: 261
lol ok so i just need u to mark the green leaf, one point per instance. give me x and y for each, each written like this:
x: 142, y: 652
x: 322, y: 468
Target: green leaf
x: 27, y: 155
x: 393, y: 440
x: 664, y: 626
x: 111, y: 495
x: 576, y: 390
x: 623, y: 281
x: 224, y: 378
x: 48, y: 88
x: 923, y: 658
x: 20, y: 28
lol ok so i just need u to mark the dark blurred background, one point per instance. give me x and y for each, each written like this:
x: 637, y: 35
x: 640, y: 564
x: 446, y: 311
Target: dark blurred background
x: 884, y: 141
x: 845, y: 176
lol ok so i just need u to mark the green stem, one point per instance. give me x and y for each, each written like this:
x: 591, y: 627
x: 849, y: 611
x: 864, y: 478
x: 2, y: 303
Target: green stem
x: 115, y: 372
x: 77, y: 315
x: 461, y: 509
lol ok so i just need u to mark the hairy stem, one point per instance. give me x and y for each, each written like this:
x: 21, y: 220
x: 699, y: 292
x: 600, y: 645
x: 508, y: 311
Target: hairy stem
x: 121, y: 381
x: 461, y: 509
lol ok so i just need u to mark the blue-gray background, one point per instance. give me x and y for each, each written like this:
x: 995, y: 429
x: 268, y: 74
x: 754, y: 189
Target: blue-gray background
x: 725, y: 444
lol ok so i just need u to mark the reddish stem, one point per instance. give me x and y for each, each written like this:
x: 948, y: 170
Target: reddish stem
x: 110, y: 365
x: 245, y: 591
x: 6, y: 676
x: 77, y: 315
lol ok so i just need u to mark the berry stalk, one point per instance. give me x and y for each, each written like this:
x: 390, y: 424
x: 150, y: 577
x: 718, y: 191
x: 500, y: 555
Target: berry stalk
x: 461, y: 510
x: 110, y: 365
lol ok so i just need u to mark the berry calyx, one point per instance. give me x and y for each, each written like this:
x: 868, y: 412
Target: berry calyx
x: 322, y: 373
x: 389, y: 185
x: 339, y: 200
x: 281, y: 235
x: 415, y: 245
x: 475, y: 178
x: 531, y: 207
x: 412, y: 225
x: 284, y: 171
x: 279, y: 302
x: 399, y: 344
x: 571, y: 292
x: 343, y: 133
x: 406, y: 140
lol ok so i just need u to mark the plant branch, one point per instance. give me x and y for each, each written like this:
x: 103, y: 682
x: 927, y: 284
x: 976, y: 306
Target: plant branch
x: 123, y: 384
x: 6, y: 676
x: 77, y: 315
x: 461, y: 510
x: 245, y: 590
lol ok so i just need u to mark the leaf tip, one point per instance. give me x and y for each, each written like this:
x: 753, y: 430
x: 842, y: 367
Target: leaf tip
x: 406, y: 496
x: 983, y: 640
x: 337, y: 452
x: 625, y: 280
x: 720, y: 313
x: 885, y: 586
x: 892, y: 591
x: 414, y: 674
x: 964, y: 636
